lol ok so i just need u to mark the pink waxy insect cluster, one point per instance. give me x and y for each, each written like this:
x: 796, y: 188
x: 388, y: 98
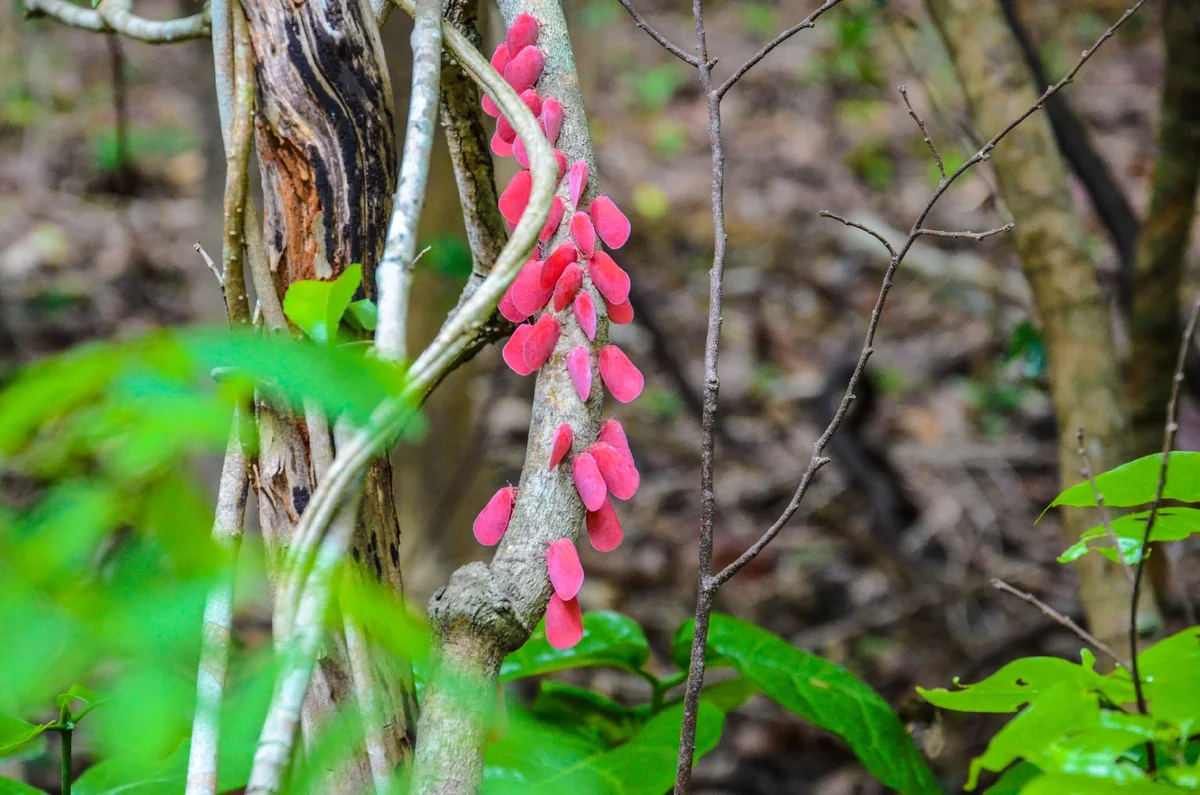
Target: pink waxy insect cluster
x: 549, y: 286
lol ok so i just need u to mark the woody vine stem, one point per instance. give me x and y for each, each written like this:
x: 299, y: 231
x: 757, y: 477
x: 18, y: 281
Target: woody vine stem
x: 708, y: 582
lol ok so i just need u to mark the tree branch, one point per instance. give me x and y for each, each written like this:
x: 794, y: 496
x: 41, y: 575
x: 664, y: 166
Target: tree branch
x: 395, y: 269
x: 666, y: 43
x: 114, y: 16
x: 1059, y: 618
x: 804, y: 24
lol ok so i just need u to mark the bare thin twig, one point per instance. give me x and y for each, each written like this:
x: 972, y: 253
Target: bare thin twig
x: 666, y: 43
x: 1059, y: 618
x: 937, y: 158
x: 805, y: 23
x: 862, y: 227
x: 212, y: 266
x: 112, y: 16
x: 1170, y: 428
x: 709, y: 583
x: 967, y: 235
x: 1085, y: 470
x: 395, y: 268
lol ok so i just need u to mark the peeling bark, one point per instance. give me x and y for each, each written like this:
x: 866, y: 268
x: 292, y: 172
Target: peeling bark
x: 326, y: 143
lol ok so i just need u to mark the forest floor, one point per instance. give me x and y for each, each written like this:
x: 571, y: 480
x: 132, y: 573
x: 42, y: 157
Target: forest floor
x: 946, y: 462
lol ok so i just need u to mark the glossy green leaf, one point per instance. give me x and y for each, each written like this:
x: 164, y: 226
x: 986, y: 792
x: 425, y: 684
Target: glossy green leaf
x: 1170, y: 671
x: 1016, y: 684
x: 643, y: 766
x: 1065, y: 784
x: 17, y: 736
x: 609, y: 639
x: 317, y: 306
x: 363, y: 314
x: 1060, y: 709
x: 731, y: 694
x: 1136, y: 482
x: 9, y: 786
x: 577, y: 710
x: 822, y: 693
x: 1171, y: 524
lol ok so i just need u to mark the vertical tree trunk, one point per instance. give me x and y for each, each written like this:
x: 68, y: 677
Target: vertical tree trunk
x: 1033, y: 182
x: 327, y: 154
x: 1155, y: 325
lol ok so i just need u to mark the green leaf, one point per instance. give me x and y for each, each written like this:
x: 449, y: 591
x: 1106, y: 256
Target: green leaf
x: 822, y: 693
x: 1016, y: 684
x: 1136, y: 482
x: 317, y: 306
x: 643, y: 766
x: 10, y: 786
x: 17, y: 736
x: 1059, y: 710
x: 609, y: 639
x: 1170, y: 671
x: 1171, y: 524
x: 577, y: 710
x: 363, y: 314
x: 731, y: 694
x: 1014, y: 779
x: 1064, y: 784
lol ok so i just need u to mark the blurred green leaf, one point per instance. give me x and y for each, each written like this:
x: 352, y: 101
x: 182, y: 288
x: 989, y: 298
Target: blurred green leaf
x: 10, y: 787
x: 819, y: 691
x: 609, y: 639
x: 577, y: 710
x: 657, y: 85
x: 1014, y: 779
x: 1171, y: 524
x: 363, y: 314
x: 1063, y: 784
x: 317, y: 306
x: 1136, y: 482
x: 1027, y: 343
x: 16, y: 735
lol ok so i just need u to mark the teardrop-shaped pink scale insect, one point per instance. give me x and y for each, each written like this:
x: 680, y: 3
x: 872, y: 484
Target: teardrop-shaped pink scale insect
x: 525, y: 68
x: 610, y: 278
x: 579, y: 367
x: 564, y: 623
x: 619, y: 313
x: 611, y: 224
x: 521, y: 33
x: 520, y: 154
x: 612, y: 433
x: 514, y: 350
x: 501, y: 147
x: 568, y: 285
x: 557, y: 208
x: 588, y: 481
x: 624, y: 381
x: 499, y: 63
x: 516, y: 196
x: 532, y: 101
x: 490, y: 107
x: 564, y: 437
x: 562, y: 564
x: 561, y: 158
x: 492, y: 521
x: 505, y: 129
x: 509, y: 309
x: 527, y: 293
x: 552, y: 118
x: 540, y: 344
x: 585, y: 313
x: 582, y: 232
x: 577, y: 180
x: 619, y: 473
x: 556, y: 263
x: 604, y: 529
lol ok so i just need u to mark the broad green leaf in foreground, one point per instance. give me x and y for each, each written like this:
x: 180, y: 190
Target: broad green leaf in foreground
x: 1016, y: 684
x: 317, y: 306
x: 1135, y: 483
x: 9, y: 786
x: 1064, y: 784
x: 822, y: 693
x: 609, y: 639
x: 17, y: 736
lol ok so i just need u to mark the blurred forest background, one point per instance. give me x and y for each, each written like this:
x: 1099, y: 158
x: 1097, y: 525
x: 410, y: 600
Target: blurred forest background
x: 111, y: 169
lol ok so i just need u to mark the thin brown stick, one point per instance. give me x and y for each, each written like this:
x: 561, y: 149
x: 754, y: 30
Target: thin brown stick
x: 804, y: 24
x: 1059, y: 618
x: 1085, y: 470
x: 1170, y: 428
x: 709, y: 583
x: 666, y: 43
x: 861, y: 227
x: 967, y: 235
x: 941, y: 167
